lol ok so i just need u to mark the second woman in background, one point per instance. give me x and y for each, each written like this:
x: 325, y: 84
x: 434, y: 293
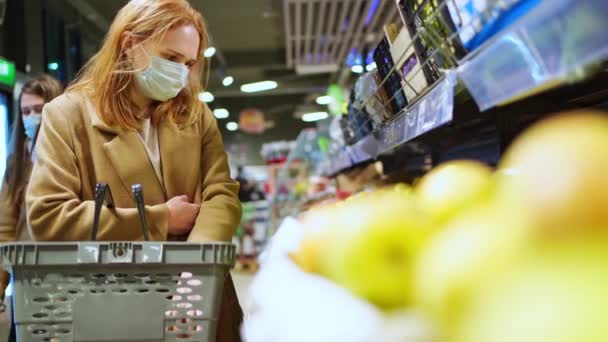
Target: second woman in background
x: 21, y: 153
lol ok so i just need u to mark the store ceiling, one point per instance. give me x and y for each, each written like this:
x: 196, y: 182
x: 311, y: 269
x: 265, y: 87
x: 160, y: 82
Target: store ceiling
x: 323, y: 34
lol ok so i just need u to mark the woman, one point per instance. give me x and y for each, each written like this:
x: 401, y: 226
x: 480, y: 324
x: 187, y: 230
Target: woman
x: 133, y: 116
x: 34, y: 95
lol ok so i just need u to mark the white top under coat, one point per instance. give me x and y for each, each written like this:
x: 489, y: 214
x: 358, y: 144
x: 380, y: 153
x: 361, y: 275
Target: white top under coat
x: 149, y: 136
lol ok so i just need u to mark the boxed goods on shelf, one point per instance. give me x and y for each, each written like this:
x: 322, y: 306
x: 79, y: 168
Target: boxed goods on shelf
x: 408, y: 65
x: 429, y: 23
x: 366, y: 98
x: 388, y: 80
x: 355, y: 125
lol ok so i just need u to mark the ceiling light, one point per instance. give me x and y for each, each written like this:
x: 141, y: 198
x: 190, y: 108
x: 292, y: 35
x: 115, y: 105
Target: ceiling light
x: 357, y: 69
x: 209, y: 52
x: 323, y: 100
x: 228, y: 80
x: 232, y: 126
x: 206, y: 97
x: 371, y: 66
x: 316, y: 116
x: 258, y: 86
x: 221, y: 113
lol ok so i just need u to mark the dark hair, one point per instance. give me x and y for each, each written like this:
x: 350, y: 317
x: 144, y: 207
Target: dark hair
x: 18, y: 158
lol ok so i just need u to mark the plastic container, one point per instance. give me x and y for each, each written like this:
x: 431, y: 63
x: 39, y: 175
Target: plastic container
x: 117, y: 291
x: 477, y: 21
x: 545, y: 48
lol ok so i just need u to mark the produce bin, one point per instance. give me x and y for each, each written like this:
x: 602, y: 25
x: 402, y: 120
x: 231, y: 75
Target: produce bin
x: 117, y: 291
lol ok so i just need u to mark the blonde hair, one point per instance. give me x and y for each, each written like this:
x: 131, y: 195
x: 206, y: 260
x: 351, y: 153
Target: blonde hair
x: 108, y: 76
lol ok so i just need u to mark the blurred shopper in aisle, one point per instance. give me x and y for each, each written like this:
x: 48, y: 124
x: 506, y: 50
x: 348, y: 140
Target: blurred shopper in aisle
x: 133, y: 116
x: 249, y: 189
x: 34, y: 95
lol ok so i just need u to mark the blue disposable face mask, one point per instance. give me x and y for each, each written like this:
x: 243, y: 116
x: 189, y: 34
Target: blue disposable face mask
x: 162, y: 80
x: 31, y: 123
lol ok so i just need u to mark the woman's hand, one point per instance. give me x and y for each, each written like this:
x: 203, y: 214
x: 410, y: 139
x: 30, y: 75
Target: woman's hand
x: 182, y: 215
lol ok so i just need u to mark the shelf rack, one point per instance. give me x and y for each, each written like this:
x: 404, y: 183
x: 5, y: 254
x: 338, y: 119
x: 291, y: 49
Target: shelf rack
x: 558, y: 43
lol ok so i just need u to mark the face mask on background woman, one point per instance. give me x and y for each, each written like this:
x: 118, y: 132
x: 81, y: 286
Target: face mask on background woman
x: 31, y: 123
x: 162, y: 80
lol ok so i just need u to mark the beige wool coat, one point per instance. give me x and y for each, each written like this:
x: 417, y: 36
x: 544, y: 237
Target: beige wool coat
x: 76, y: 150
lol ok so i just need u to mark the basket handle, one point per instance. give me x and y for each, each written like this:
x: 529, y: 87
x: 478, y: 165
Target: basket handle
x: 102, y: 194
x: 138, y: 194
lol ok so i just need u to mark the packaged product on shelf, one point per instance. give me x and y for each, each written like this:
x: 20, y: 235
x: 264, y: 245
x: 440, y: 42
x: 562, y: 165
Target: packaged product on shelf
x: 396, y: 99
x: 356, y: 124
x: 430, y: 25
x: 408, y: 64
x: 367, y: 99
x: 335, y: 131
x: 276, y: 152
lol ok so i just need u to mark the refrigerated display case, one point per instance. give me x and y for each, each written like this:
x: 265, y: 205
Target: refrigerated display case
x: 8, y: 77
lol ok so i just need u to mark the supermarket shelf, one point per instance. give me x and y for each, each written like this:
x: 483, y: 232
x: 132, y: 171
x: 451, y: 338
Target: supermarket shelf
x: 557, y: 44
x: 363, y: 151
x: 484, y: 136
x: 431, y: 111
x: 549, y: 46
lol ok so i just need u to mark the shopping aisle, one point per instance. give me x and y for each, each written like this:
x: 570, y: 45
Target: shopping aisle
x: 242, y: 282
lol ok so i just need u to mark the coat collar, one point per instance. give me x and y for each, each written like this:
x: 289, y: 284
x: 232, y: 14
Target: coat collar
x: 129, y: 158
x: 99, y: 124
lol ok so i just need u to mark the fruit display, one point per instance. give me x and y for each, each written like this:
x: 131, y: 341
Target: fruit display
x: 513, y: 254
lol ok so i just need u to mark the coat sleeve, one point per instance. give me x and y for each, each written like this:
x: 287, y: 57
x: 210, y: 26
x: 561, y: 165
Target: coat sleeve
x: 220, y: 212
x: 9, y: 214
x: 54, y: 207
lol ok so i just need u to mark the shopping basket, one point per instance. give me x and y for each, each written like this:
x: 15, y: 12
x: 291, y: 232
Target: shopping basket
x: 117, y: 291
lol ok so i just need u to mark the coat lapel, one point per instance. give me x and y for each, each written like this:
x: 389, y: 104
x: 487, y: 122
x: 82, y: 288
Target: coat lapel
x: 180, y: 153
x: 129, y: 159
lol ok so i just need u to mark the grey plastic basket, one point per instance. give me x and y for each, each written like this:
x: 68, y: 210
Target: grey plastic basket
x: 117, y: 291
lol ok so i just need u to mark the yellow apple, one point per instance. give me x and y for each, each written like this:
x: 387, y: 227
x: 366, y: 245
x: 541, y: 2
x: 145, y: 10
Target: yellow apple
x: 373, y: 256
x: 557, y: 293
x: 451, y: 188
x: 557, y: 172
x: 457, y: 258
